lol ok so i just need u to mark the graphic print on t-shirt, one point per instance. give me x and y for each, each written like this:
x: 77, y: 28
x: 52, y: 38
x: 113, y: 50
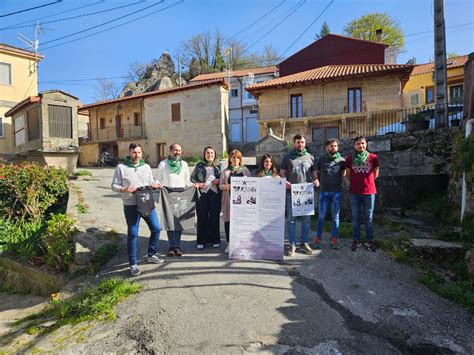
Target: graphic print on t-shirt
x: 362, y: 169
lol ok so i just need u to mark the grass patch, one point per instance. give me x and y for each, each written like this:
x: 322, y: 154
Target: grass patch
x: 94, y: 303
x: 102, y: 256
x: 81, y: 208
x: 83, y: 173
x: 389, y: 225
x: 345, y: 228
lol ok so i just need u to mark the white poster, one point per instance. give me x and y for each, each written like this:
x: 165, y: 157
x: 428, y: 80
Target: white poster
x: 257, y: 218
x: 302, y: 199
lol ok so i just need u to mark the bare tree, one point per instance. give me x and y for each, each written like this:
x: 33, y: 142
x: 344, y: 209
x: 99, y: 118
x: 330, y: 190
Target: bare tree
x: 107, y: 90
x: 136, y: 71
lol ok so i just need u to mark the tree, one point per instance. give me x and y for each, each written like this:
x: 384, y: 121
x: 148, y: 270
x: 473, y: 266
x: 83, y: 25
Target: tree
x: 268, y: 56
x: 323, y: 31
x: 365, y: 27
x: 107, y: 90
x: 136, y: 71
x: 452, y: 55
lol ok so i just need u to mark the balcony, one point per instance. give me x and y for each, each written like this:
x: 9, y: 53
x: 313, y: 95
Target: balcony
x: 113, y: 133
x: 331, y: 107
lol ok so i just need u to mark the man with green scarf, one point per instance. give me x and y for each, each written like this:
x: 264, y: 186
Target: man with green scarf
x: 331, y: 168
x: 174, y: 172
x: 298, y: 167
x: 362, y: 168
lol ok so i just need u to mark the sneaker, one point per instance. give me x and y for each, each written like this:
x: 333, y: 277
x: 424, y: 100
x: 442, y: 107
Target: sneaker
x: 371, y: 246
x: 355, y: 245
x: 292, y: 250
x: 200, y: 246
x: 334, y: 243
x: 155, y: 259
x: 171, y: 252
x: 317, y: 243
x: 216, y: 245
x: 305, y: 248
x: 178, y: 252
x: 134, y: 271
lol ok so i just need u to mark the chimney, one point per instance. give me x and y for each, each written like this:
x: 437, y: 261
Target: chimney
x: 378, y: 35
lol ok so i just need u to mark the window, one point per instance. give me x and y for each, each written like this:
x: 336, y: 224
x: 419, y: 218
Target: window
x: 429, y: 98
x: 254, y: 111
x: 60, y: 121
x: 33, y: 124
x: 456, y: 92
x: 136, y: 118
x: 176, y: 112
x: 354, y: 100
x: 322, y: 134
x: 414, y: 100
x: 5, y: 73
x: 102, y: 123
x: 234, y: 93
x: 296, y: 105
x: 20, y: 131
x: 2, y: 129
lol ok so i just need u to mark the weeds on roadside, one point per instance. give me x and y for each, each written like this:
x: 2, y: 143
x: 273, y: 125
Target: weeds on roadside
x: 83, y: 173
x: 103, y: 254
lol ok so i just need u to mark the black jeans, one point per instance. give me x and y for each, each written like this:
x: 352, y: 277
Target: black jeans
x: 208, y: 209
x: 227, y: 230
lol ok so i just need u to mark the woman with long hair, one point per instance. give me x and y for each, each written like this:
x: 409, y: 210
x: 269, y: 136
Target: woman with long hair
x: 267, y: 167
x: 235, y: 168
x: 206, y: 176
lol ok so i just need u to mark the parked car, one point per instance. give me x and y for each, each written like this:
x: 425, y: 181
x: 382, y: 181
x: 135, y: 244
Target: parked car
x: 107, y: 159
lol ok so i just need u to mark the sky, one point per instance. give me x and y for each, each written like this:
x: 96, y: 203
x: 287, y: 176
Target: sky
x: 128, y: 34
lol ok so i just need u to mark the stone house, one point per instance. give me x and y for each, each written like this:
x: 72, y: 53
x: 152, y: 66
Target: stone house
x: 44, y: 129
x: 194, y: 115
x: 419, y: 90
x: 18, y: 79
x: 332, y: 101
x: 243, y: 126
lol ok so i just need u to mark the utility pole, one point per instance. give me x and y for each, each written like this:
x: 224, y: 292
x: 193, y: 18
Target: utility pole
x: 179, y: 69
x: 441, y: 92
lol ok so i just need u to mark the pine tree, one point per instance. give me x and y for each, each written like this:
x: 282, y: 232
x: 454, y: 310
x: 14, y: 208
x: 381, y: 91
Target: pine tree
x: 324, y: 31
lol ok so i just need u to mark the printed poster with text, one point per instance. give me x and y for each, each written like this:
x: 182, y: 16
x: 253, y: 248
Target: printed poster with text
x: 257, y: 218
x: 302, y: 199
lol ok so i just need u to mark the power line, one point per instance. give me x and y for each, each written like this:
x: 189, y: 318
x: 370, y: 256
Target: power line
x: 456, y: 26
x: 298, y: 5
x: 104, y: 23
x: 113, y: 27
x: 257, y: 20
x: 32, y: 22
x: 31, y: 8
x: 78, y: 80
x: 307, y: 28
x: 83, y: 15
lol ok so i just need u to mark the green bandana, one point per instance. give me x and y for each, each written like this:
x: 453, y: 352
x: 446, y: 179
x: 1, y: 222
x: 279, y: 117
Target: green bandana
x: 336, y: 156
x: 237, y: 170
x: 297, y: 154
x: 206, y: 163
x: 267, y: 173
x: 175, y: 165
x: 359, y: 159
x: 128, y: 162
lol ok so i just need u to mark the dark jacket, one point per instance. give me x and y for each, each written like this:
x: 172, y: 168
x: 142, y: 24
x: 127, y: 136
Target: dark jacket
x: 199, y: 173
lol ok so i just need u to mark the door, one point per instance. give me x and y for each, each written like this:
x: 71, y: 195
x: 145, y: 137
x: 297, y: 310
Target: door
x: 118, y: 126
x: 160, y: 152
x: 252, y: 129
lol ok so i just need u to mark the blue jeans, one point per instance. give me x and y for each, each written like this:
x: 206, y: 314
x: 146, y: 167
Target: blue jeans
x: 325, y: 199
x: 133, y: 217
x: 291, y: 223
x: 367, y: 202
x: 174, y: 238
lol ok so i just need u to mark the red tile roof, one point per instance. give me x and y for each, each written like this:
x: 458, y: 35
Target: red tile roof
x: 455, y: 62
x: 334, y: 72
x: 237, y: 73
x: 192, y: 85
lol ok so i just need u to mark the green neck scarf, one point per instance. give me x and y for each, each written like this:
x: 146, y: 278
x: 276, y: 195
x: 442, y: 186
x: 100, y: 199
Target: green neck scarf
x: 206, y: 163
x: 237, y: 170
x: 297, y: 154
x: 336, y: 156
x: 128, y: 162
x: 267, y: 173
x: 175, y: 165
x: 359, y: 159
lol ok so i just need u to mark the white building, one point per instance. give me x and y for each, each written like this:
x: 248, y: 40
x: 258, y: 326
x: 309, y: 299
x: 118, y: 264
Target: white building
x: 243, y: 107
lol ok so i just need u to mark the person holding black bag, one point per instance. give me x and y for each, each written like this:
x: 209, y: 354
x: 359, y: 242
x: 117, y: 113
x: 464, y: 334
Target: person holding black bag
x: 134, y: 179
x: 206, y: 176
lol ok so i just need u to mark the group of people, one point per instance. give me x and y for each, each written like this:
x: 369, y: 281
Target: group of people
x: 214, y: 184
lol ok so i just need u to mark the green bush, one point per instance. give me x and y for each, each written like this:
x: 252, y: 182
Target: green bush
x: 83, y: 173
x: 28, y: 190
x: 57, y: 242
x: 21, y: 239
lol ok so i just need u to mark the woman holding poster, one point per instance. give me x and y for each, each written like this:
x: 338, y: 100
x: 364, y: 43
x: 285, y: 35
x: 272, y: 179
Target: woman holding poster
x: 235, y: 168
x: 206, y: 176
x: 267, y: 168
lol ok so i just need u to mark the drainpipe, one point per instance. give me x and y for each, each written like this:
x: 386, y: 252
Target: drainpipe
x: 241, y: 110
x: 469, y: 125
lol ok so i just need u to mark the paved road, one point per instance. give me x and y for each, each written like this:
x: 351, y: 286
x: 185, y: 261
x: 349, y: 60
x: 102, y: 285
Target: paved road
x: 333, y: 302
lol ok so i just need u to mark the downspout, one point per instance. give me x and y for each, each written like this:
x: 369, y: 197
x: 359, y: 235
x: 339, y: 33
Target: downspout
x: 469, y: 125
x: 241, y: 109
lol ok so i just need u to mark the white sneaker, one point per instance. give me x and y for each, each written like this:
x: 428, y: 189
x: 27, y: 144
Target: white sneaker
x: 227, y: 249
x: 155, y: 259
x: 134, y: 270
x: 200, y: 246
x: 216, y: 245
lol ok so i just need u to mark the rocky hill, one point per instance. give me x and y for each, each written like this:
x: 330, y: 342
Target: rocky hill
x: 160, y: 74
